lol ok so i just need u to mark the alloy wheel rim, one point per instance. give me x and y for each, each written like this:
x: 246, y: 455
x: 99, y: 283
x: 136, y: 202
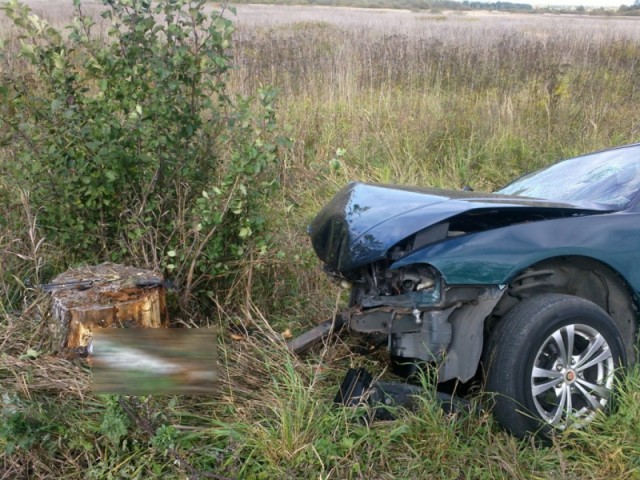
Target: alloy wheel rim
x: 572, y: 376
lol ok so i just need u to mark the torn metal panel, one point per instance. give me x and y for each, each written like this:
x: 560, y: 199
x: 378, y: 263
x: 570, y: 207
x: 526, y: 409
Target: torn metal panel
x: 363, y: 222
x: 464, y: 352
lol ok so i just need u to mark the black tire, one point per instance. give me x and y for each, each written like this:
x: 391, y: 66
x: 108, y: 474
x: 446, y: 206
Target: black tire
x: 534, y: 334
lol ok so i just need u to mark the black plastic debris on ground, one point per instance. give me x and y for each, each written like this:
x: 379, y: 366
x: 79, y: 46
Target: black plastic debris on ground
x: 358, y: 388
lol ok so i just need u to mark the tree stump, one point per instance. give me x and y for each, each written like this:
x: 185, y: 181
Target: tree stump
x: 105, y: 296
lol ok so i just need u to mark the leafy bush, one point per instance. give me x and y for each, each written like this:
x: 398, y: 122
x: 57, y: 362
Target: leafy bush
x: 129, y: 146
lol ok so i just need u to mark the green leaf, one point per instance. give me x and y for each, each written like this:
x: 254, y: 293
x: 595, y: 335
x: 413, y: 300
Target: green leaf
x: 29, y: 51
x: 31, y: 353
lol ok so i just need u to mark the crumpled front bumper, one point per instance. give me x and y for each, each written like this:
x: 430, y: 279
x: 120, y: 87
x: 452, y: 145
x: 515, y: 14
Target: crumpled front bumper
x: 448, y: 331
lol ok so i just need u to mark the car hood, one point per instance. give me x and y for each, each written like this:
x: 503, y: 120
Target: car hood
x: 363, y: 221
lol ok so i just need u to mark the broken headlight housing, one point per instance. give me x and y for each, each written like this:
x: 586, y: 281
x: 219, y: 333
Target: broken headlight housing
x: 412, y: 286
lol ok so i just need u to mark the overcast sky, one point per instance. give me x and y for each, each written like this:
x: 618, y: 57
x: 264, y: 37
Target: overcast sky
x: 575, y: 3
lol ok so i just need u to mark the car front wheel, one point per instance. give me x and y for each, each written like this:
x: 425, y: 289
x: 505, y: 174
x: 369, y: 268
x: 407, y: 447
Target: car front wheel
x: 551, y: 363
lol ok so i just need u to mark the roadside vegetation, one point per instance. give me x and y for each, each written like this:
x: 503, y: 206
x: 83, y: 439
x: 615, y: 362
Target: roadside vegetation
x: 127, y: 146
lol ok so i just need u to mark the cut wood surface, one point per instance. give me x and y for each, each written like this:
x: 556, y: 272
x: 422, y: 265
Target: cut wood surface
x: 105, y: 296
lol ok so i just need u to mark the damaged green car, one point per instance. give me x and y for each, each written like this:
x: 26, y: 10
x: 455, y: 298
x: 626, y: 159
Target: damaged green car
x: 536, y: 284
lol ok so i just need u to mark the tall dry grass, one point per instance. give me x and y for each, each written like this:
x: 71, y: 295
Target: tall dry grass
x: 442, y: 99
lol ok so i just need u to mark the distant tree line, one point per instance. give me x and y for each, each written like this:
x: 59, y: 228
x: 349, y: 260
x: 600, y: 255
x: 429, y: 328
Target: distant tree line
x: 496, y: 5
x: 623, y: 10
x: 630, y: 10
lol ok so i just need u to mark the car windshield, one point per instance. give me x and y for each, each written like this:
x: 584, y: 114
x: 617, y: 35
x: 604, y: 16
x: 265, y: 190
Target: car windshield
x: 611, y: 177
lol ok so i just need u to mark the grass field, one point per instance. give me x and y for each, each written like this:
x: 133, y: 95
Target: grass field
x: 443, y: 99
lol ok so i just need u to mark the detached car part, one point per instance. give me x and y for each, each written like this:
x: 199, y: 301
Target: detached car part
x: 537, y: 282
x: 316, y: 335
x: 358, y: 387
